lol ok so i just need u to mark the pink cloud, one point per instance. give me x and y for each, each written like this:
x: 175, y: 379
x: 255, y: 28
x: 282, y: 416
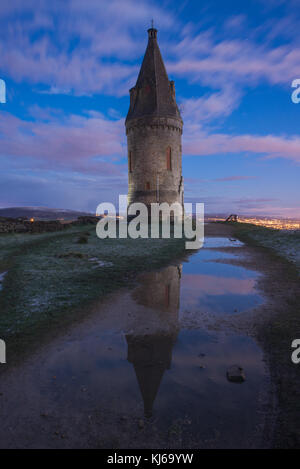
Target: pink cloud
x: 234, y: 178
x: 86, y: 143
x: 211, y: 106
x: 210, y: 285
x: 114, y: 32
x: 101, y: 32
x: 198, y: 142
x: 80, y: 143
x: 202, y: 58
x: 224, y: 204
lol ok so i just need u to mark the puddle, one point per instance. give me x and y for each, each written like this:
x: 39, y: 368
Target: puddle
x: 133, y: 377
x: 217, y: 287
x: 218, y: 242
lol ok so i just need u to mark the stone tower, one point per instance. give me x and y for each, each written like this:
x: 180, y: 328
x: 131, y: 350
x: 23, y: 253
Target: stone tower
x: 151, y: 353
x: 154, y: 129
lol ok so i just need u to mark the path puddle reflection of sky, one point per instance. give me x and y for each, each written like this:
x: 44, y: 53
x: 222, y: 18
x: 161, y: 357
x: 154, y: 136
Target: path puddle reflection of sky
x: 217, y: 287
x: 98, y: 383
x: 218, y: 242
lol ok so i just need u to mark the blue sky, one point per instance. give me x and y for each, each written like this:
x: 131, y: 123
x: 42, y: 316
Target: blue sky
x: 68, y: 66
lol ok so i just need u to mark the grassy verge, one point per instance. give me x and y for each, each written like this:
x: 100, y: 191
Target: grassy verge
x: 281, y: 243
x: 280, y: 253
x: 53, y: 278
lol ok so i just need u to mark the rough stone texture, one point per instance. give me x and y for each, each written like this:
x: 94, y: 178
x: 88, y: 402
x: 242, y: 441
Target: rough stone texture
x: 154, y: 125
x: 160, y: 291
x: 236, y: 374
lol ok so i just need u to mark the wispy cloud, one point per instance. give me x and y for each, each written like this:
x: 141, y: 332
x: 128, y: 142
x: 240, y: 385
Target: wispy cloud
x: 83, y: 47
x: 199, y: 142
x: 234, y: 178
x: 89, y: 47
x: 210, y: 106
x: 208, y: 59
x: 86, y: 143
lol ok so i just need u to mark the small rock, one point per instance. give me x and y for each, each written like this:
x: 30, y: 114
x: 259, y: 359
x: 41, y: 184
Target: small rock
x: 141, y: 424
x: 82, y: 240
x: 235, y: 374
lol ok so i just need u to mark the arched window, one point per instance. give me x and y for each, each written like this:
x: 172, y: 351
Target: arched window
x: 130, y: 161
x: 169, y: 158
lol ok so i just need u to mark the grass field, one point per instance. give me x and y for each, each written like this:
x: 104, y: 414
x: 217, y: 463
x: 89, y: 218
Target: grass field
x: 280, y: 249
x: 285, y: 243
x: 52, y: 277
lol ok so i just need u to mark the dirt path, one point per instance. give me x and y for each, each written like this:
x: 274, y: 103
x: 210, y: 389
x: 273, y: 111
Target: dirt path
x: 44, y: 404
x: 274, y: 325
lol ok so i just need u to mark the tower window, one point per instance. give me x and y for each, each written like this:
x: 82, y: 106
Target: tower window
x: 130, y: 161
x: 169, y: 158
x: 147, y: 186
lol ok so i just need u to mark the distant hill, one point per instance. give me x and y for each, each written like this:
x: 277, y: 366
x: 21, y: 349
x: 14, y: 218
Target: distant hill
x: 41, y: 213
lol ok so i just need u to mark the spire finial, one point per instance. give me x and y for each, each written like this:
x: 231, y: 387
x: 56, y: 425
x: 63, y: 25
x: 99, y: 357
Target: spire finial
x: 152, y: 32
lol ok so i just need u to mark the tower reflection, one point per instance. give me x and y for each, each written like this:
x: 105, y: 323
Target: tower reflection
x: 151, y: 353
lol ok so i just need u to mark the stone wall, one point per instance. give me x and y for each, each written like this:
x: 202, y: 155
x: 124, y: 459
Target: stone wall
x: 150, y: 180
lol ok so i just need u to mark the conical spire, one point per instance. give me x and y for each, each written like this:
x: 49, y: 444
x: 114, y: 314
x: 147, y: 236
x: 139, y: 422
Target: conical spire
x: 151, y: 356
x: 153, y: 94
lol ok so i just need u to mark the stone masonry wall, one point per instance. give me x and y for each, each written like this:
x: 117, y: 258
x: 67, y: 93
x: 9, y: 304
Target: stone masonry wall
x: 147, y: 142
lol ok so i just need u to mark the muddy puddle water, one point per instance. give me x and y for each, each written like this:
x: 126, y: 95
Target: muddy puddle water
x: 141, y: 374
x: 217, y: 287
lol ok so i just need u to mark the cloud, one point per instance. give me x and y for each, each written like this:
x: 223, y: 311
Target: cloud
x: 87, y: 144
x: 60, y: 190
x: 207, y: 59
x: 199, y: 142
x: 89, y: 47
x: 76, y: 46
x: 225, y: 204
x: 211, y: 106
x: 234, y: 178
x: 203, y: 285
x: 55, y: 90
